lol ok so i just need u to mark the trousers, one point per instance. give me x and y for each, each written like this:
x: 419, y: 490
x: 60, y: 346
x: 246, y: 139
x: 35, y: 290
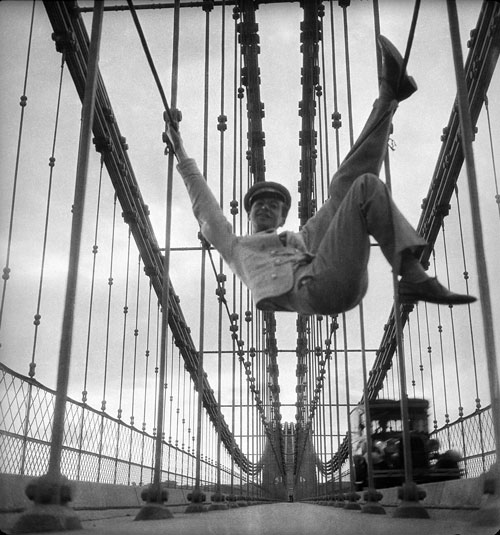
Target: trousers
x: 338, y: 235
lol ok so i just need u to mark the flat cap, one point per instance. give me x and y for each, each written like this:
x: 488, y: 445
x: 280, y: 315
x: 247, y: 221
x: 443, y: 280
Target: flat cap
x: 267, y: 189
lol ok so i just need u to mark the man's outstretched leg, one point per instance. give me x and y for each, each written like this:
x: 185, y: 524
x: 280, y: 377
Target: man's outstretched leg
x: 369, y: 150
x: 366, y: 157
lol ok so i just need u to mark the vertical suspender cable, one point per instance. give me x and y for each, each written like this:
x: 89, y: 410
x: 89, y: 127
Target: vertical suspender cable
x: 89, y: 325
x: 421, y: 364
x: 336, y: 123
x: 431, y: 367
x: 371, y: 484
x: 202, y: 275
x: 146, y: 367
x: 473, y: 345
x: 482, y: 273
x: 334, y: 329
x: 95, y: 249
x: 155, y: 399
x: 409, y: 489
x: 108, y: 307
x: 124, y: 335
x: 122, y: 368
x: 136, y: 341
x: 473, y: 352
x: 411, y: 358
x: 52, y: 160
x: 106, y: 345
x: 348, y: 405
x: 440, y: 329
x: 328, y: 358
x: 493, y: 164
x: 165, y: 296
x: 76, y: 235
x: 37, y: 316
x: 222, y: 128
x: 346, y: 360
x: 23, y: 102
x: 156, y: 495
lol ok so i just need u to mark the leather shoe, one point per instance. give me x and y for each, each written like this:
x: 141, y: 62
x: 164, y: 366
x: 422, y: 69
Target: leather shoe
x: 401, y: 85
x: 431, y: 291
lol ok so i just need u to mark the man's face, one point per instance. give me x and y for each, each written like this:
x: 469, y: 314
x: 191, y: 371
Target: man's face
x: 266, y: 213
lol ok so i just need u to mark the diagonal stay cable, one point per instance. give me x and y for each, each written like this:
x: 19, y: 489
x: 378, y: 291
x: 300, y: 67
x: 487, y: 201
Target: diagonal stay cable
x: 162, y: 95
x: 409, y: 43
x: 150, y: 59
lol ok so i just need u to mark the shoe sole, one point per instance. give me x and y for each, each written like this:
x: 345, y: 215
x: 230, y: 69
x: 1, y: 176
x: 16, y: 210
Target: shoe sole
x: 407, y: 84
x: 411, y: 299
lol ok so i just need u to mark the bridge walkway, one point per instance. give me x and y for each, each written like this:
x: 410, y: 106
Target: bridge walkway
x: 277, y: 519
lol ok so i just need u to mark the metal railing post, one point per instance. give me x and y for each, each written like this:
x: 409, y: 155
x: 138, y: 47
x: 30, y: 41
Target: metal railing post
x: 51, y: 492
x: 490, y: 512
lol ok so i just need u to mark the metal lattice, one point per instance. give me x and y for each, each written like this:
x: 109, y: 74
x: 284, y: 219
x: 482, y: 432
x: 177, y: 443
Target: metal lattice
x: 96, y: 447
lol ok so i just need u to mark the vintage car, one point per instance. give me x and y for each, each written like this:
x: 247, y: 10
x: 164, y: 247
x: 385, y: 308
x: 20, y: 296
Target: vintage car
x: 387, y: 445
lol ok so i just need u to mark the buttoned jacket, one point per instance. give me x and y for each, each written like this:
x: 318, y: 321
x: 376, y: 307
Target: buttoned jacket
x: 265, y: 261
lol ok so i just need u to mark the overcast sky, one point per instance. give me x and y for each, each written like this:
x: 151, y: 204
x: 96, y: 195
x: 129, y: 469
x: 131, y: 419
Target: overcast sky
x: 138, y: 110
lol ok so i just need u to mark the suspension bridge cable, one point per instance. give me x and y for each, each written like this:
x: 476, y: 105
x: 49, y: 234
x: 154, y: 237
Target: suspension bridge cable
x: 493, y: 164
x: 150, y: 59
x: 124, y: 326
x: 334, y: 329
x: 336, y: 124
x: 200, y: 373
x: 473, y: 348
x: 90, y: 313
x: 37, y: 316
x: 409, y: 43
x: 52, y: 161
x: 440, y: 329
x: 431, y: 367
x: 23, y: 102
x: 408, y: 485
x: 420, y: 351
x: 237, y: 113
x: 466, y: 277
x: 351, y: 141
x: 360, y: 307
x: 95, y: 249
x: 146, y: 367
x: 348, y: 405
x: 336, y: 116
x: 156, y: 491
x: 136, y: 342
x: 222, y: 125
x: 157, y: 381
x: 108, y: 307
x: 483, y: 280
x: 88, y: 107
x: 234, y: 212
x: 107, y: 340
x: 123, y: 353
x: 412, y: 363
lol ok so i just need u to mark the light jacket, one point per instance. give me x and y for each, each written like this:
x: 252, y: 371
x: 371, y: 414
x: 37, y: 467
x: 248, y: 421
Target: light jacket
x: 266, y: 262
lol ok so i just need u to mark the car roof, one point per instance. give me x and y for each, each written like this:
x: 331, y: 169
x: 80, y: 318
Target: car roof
x: 390, y: 409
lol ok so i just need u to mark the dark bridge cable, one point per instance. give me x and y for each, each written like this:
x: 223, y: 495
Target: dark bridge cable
x: 152, y: 66
x: 150, y: 60
x: 411, y: 36
x: 493, y: 164
x: 156, y: 489
x: 23, y: 102
x: 52, y: 161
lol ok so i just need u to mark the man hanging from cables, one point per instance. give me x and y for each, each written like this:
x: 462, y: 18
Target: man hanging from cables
x: 323, y: 268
